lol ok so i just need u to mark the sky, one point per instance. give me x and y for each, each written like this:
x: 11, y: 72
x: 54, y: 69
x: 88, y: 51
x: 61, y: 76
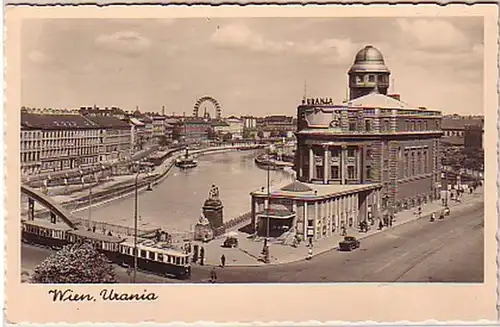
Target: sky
x: 256, y: 66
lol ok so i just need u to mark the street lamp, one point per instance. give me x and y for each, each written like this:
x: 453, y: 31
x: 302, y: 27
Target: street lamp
x: 136, y: 196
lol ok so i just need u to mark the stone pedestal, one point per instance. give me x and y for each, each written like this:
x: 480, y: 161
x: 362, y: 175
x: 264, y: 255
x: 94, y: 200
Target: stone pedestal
x: 213, y: 211
x: 203, y: 232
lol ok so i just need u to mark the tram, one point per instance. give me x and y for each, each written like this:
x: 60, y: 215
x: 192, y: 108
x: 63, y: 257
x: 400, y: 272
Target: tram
x: 152, y: 256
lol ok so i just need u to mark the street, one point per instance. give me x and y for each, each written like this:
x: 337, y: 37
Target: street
x: 450, y: 250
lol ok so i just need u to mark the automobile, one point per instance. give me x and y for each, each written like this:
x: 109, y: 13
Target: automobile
x: 349, y: 243
x: 230, y: 242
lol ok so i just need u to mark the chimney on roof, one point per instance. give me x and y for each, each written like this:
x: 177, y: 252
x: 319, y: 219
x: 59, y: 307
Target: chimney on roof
x: 163, y: 110
x: 395, y: 96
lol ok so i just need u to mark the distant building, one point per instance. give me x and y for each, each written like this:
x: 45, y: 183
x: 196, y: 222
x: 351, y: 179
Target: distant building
x: 193, y: 129
x: 106, y: 111
x: 276, y: 125
x: 455, y: 128
x: 473, y: 136
x: 137, y: 133
x: 169, y: 128
x: 235, y: 126
x: 116, y: 136
x: 55, y: 142
x: 158, y: 126
x: 219, y: 126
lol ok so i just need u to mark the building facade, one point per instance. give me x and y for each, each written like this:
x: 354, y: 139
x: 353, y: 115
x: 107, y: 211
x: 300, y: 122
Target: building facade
x: 56, y: 142
x: 115, y: 136
x: 360, y: 160
x: 193, y: 130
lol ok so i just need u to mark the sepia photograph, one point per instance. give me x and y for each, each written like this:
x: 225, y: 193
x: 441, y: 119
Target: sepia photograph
x: 252, y: 150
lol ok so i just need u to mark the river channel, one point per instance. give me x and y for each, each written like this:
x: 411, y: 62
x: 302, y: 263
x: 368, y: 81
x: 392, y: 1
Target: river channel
x: 175, y: 204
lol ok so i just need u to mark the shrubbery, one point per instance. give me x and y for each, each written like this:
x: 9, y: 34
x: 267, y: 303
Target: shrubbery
x: 75, y: 264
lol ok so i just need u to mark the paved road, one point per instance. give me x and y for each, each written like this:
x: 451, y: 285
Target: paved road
x: 451, y: 250
x: 443, y: 251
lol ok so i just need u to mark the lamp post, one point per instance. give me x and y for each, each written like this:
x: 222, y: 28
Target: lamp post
x: 136, y: 218
x: 135, y: 224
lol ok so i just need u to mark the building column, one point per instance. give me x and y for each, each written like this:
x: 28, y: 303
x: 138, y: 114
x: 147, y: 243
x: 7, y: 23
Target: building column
x: 329, y: 217
x: 326, y: 166
x: 315, y: 221
x: 254, y: 220
x: 305, y: 221
x: 359, y: 163
x: 311, y: 164
x: 343, y: 156
x: 300, y: 163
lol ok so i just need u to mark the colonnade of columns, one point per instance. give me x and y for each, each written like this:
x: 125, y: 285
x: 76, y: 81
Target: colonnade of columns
x: 326, y: 163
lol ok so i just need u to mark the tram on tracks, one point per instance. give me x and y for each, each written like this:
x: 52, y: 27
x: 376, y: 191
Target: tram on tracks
x: 155, y: 257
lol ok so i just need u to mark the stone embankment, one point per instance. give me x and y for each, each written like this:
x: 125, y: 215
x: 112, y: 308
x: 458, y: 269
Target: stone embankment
x: 123, y: 189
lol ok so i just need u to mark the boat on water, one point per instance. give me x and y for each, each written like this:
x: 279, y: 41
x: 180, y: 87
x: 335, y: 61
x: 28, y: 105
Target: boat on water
x: 267, y: 162
x: 186, y: 161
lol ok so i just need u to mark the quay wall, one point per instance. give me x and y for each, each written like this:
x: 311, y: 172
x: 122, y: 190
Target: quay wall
x: 128, y: 189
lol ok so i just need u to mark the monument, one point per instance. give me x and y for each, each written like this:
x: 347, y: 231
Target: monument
x: 202, y: 230
x: 213, y: 211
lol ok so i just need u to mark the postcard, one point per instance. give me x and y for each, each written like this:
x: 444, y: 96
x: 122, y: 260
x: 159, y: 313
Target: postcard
x: 251, y: 164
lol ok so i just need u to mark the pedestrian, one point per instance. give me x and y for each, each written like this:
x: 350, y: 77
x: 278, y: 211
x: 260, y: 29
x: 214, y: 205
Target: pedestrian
x: 202, y: 256
x: 213, y: 276
x: 433, y: 216
x: 223, y: 261
x: 309, y: 254
x: 380, y: 225
x: 344, y: 231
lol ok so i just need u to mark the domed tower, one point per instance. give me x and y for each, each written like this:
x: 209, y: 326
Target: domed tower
x: 368, y: 73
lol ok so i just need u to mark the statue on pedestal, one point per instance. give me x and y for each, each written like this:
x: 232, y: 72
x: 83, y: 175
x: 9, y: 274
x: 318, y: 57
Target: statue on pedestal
x: 213, y: 211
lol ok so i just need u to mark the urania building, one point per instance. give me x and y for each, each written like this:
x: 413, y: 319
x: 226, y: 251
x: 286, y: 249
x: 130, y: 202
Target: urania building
x: 367, y: 157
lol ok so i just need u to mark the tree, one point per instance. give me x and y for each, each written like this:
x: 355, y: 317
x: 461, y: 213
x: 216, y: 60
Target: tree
x: 260, y: 134
x: 75, y: 264
x: 227, y: 137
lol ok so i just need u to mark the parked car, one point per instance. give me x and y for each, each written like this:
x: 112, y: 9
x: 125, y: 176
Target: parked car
x: 349, y: 243
x: 230, y: 242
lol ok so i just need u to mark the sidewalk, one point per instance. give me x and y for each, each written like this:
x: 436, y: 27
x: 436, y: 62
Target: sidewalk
x: 249, y: 251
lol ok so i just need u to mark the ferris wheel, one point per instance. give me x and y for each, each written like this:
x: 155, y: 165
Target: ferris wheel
x: 215, y: 103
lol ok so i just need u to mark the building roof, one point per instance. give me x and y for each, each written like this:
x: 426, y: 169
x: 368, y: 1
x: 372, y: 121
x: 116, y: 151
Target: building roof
x: 459, y: 123
x: 377, y: 100
x: 218, y: 123
x: 136, y: 121
x: 108, y: 122
x: 56, y: 122
x: 369, y: 59
x: 296, y: 186
x: 316, y: 190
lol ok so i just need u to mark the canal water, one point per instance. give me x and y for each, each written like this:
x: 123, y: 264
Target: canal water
x: 175, y: 204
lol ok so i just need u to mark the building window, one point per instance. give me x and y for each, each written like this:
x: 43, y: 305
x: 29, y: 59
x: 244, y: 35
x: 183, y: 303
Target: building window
x: 413, y: 170
x: 368, y: 172
x: 319, y: 172
x: 406, y: 166
x: 352, y: 125
x: 417, y: 164
x: 368, y: 126
x: 371, y: 78
x: 350, y: 152
x: 351, y: 172
x: 335, y: 153
x: 335, y: 172
x: 424, y: 163
x: 369, y: 153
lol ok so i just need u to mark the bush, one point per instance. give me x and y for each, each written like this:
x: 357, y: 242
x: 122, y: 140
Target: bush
x: 75, y: 264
